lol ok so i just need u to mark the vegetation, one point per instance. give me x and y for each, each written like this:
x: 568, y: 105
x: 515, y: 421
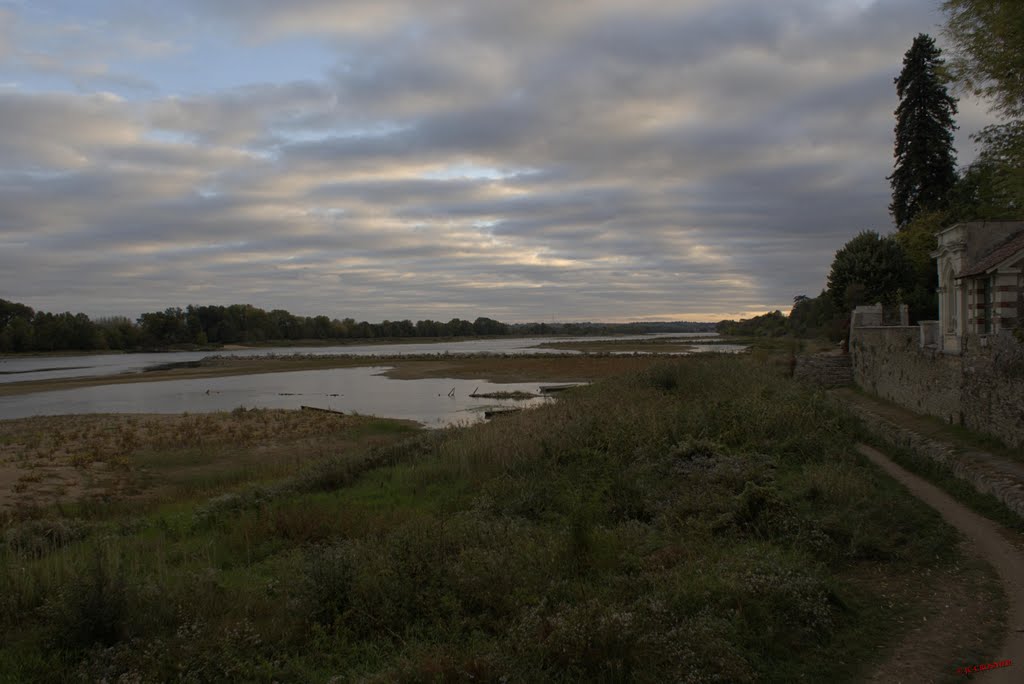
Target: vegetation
x: 97, y: 459
x: 925, y: 169
x: 869, y: 268
x: 771, y: 324
x: 24, y: 330
x: 928, y: 193
x: 650, y: 345
x: 993, y: 186
x: 918, y: 240
x: 703, y: 520
x: 810, y: 317
x: 988, y: 35
x: 817, y: 317
x: 552, y: 367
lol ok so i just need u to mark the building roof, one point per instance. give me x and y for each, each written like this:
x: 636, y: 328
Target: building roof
x: 997, y: 255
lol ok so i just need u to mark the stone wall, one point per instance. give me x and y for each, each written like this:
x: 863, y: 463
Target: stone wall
x: 826, y: 370
x: 975, y: 467
x: 992, y: 398
x: 982, y: 389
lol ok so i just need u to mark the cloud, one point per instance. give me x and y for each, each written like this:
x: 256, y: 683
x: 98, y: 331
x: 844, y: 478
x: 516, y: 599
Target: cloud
x: 80, y: 51
x: 519, y: 160
x: 7, y: 22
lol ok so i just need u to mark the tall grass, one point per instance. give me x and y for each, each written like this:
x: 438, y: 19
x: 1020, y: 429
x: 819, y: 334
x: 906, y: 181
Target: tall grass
x: 705, y: 520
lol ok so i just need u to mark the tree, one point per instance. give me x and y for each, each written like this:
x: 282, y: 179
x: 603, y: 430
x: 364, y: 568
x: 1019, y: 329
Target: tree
x: 988, y: 36
x: 771, y: 324
x: 918, y: 241
x: 11, y: 310
x: 815, y: 317
x: 869, y: 268
x: 1001, y: 170
x: 925, y: 168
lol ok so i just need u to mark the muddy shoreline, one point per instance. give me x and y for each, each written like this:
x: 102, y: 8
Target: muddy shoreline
x: 499, y: 368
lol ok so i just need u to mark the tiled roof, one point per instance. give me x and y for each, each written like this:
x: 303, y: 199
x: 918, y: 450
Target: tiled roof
x: 998, y: 255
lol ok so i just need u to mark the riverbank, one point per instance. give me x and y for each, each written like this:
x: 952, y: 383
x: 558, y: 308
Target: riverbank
x: 667, y: 345
x: 493, y: 367
x: 86, y: 460
x: 694, y: 519
x: 320, y: 343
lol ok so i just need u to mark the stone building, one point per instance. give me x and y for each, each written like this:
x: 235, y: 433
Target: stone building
x: 981, y: 282
x: 968, y: 367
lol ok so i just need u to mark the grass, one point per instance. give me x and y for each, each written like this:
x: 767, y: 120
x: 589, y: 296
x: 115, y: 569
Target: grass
x: 963, y: 438
x: 698, y: 520
x: 112, y: 460
x: 942, y: 477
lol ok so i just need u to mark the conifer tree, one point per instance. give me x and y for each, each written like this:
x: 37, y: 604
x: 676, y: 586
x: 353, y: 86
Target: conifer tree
x: 925, y: 168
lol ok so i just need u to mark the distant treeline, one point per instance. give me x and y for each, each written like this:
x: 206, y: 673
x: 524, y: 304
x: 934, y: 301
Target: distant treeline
x: 24, y: 330
x: 810, y: 317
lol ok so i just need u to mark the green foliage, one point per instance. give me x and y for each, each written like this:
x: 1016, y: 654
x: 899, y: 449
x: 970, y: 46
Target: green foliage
x: 24, y: 330
x: 704, y: 521
x: 810, y: 317
x: 868, y: 269
x: 816, y: 317
x: 771, y: 324
x: 987, y: 36
x: 925, y: 168
x: 918, y: 240
x: 989, y: 61
x: 993, y: 186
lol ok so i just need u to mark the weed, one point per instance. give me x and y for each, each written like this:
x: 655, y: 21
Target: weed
x: 701, y: 520
x: 91, y: 608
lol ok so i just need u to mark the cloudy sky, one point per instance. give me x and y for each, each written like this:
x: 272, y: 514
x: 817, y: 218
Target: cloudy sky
x: 519, y: 159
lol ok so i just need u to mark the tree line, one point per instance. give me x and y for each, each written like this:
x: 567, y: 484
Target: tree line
x: 929, y: 192
x: 24, y: 330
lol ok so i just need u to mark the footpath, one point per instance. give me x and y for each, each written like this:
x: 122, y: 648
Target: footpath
x: 989, y: 471
x: 997, y: 473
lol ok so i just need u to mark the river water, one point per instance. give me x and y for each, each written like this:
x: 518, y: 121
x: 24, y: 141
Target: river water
x: 433, y: 402
x: 17, y: 369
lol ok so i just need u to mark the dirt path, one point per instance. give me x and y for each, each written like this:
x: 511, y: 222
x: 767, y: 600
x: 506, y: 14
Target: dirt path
x: 1003, y: 549
x: 932, y: 428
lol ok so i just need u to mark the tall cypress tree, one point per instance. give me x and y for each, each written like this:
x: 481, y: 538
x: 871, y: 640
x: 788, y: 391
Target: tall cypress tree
x: 925, y: 168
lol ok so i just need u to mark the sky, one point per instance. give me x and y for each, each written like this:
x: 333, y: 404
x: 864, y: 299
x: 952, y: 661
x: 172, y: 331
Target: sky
x: 525, y: 160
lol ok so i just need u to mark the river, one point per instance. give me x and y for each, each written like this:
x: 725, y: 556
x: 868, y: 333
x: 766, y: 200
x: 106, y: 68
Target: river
x: 433, y: 402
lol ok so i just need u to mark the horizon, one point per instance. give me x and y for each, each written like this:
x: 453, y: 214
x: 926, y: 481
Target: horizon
x: 549, y: 321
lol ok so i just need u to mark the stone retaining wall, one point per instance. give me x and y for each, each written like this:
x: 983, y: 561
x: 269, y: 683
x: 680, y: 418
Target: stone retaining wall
x: 972, y: 467
x: 992, y: 396
x: 889, y: 362
x: 982, y: 389
x: 826, y: 370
